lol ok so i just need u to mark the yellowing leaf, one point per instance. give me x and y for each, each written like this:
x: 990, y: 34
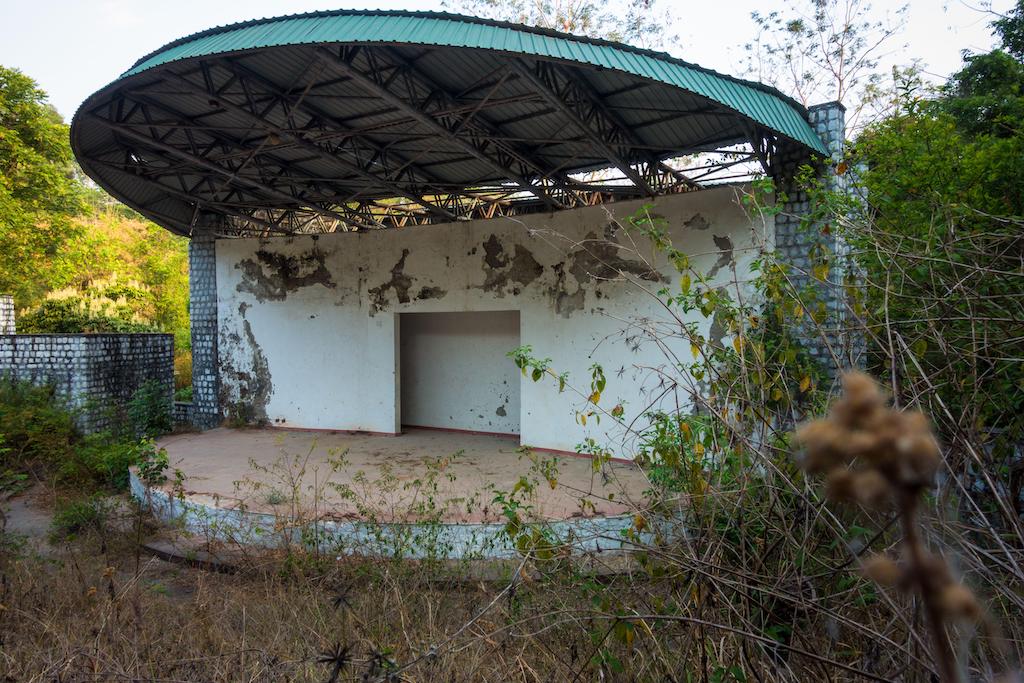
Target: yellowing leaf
x: 805, y: 383
x: 737, y: 343
x: 687, y: 433
x: 595, y: 397
x: 695, y: 350
x: 698, y: 448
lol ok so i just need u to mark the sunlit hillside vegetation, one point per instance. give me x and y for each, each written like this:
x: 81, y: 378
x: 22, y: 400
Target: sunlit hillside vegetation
x: 75, y: 259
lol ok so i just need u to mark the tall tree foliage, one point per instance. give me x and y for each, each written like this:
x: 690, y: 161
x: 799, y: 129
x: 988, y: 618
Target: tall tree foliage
x: 638, y: 22
x: 39, y: 196
x: 986, y: 97
x: 943, y: 245
x: 60, y: 240
x: 822, y: 50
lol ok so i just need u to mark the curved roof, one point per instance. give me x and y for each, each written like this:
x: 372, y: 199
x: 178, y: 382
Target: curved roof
x: 353, y: 115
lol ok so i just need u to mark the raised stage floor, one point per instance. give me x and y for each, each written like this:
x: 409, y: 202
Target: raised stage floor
x: 273, y: 477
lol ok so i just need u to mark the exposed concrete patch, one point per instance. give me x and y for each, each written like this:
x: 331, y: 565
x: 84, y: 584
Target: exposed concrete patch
x: 725, y: 255
x: 522, y: 268
x: 601, y: 260
x: 697, y: 222
x: 431, y: 293
x: 272, y: 276
x: 494, y: 253
x: 400, y: 282
x: 717, y: 331
x: 260, y: 385
x: 565, y: 304
x: 247, y: 366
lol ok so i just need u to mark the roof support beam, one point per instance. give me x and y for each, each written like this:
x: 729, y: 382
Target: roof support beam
x: 558, y: 101
x: 611, y: 123
x: 310, y: 147
x: 378, y: 89
x: 231, y: 175
x: 351, y: 137
x: 216, y: 207
x: 240, y: 149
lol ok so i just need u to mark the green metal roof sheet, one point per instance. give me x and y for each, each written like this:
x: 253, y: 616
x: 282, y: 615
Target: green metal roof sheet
x: 760, y: 103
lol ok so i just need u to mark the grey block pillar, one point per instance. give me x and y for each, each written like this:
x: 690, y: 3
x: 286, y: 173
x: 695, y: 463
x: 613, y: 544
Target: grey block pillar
x: 7, y: 314
x: 202, y: 264
x: 837, y: 344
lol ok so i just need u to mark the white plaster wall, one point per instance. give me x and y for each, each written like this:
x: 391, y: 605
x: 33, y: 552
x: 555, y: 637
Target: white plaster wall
x: 308, y: 325
x: 455, y: 372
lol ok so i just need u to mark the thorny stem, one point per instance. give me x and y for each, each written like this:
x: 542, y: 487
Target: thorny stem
x: 921, y: 573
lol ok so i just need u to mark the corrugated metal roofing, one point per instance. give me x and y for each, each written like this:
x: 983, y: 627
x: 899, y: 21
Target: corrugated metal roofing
x: 760, y: 103
x: 422, y: 116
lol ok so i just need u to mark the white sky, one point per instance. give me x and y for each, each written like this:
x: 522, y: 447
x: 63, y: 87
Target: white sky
x: 74, y: 47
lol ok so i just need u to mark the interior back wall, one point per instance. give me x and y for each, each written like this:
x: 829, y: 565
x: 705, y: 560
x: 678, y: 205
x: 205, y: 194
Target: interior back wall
x: 310, y: 326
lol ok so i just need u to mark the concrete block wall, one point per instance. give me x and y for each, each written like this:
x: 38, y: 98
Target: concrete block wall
x: 836, y: 345
x: 7, y: 314
x: 202, y: 261
x: 97, y: 374
x: 183, y: 412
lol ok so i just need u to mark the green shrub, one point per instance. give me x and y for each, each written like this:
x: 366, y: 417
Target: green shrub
x: 101, y: 460
x: 72, y: 316
x: 37, y: 433
x: 81, y: 515
x: 149, y: 411
x: 36, y: 428
x: 152, y: 462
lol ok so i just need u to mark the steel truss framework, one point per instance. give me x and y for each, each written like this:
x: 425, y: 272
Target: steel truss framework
x: 360, y: 138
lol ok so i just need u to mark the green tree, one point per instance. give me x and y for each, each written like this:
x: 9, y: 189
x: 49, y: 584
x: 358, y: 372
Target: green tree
x: 39, y: 195
x: 822, y: 50
x: 941, y: 246
x: 637, y: 22
x: 987, y: 95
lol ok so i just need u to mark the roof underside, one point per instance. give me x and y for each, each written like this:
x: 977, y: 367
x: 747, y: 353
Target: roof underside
x: 349, y: 120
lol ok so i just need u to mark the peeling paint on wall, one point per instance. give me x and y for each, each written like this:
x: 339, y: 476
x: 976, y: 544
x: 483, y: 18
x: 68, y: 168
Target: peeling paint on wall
x: 400, y: 282
x: 272, y: 276
x: 601, y: 260
x: 499, y: 269
x: 248, y: 388
x: 698, y: 222
x: 431, y: 293
x: 725, y: 254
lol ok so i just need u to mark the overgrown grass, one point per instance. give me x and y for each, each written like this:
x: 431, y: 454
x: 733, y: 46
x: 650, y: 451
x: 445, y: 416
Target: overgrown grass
x: 40, y: 442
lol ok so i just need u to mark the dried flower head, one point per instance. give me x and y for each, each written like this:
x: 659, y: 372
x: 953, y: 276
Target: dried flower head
x: 958, y: 602
x: 878, y: 456
x: 871, y: 489
x: 882, y: 570
x: 862, y: 401
x: 891, y: 450
x: 823, y: 443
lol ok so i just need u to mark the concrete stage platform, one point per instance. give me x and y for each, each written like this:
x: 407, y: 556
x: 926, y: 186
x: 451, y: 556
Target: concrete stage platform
x: 423, y: 493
